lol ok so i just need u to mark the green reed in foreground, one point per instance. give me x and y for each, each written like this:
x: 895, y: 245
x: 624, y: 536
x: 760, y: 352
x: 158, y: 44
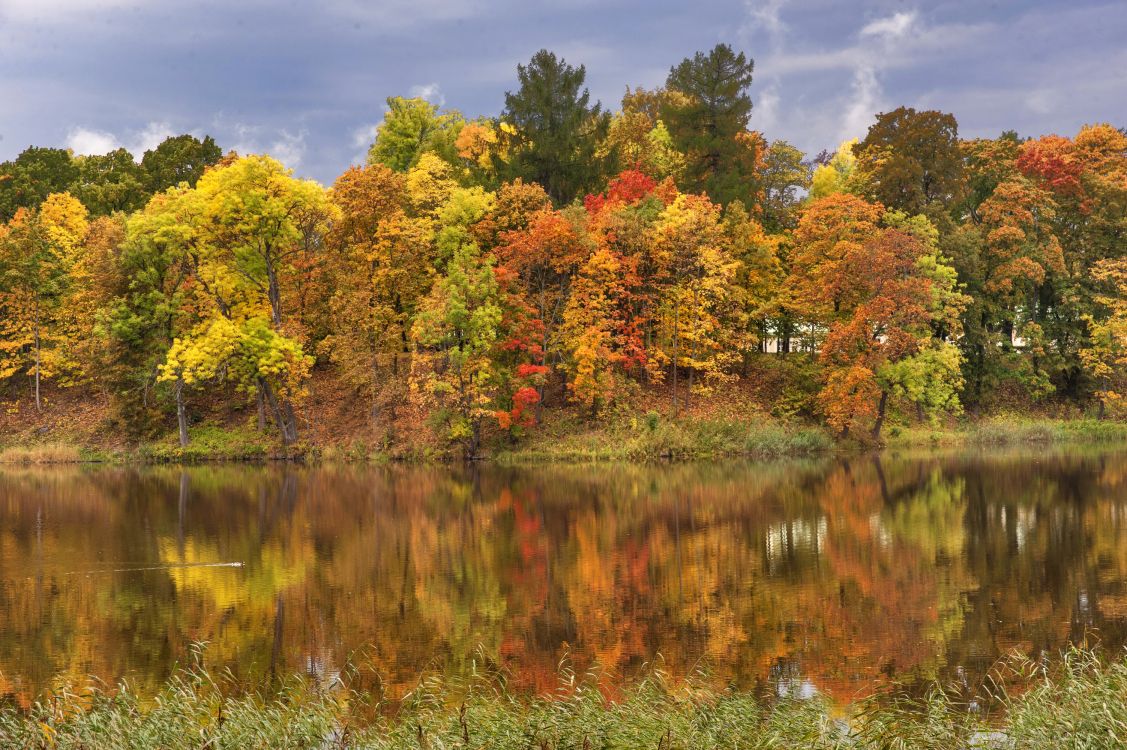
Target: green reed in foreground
x: 1078, y: 702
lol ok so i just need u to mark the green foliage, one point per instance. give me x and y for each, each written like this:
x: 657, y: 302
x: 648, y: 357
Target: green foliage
x: 911, y: 160
x: 177, y: 159
x: 210, y: 443
x: 709, y: 120
x: 931, y: 379
x: 411, y: 128
x: 557, y: 129
x: 36, y: 173
x: 783, y: 176
x: 109, y: 183
x: 456, y: 332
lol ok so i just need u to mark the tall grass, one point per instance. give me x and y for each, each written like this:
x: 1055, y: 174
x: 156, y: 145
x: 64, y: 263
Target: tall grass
x: 44, y: 453
x: 653, y: 437
x: 1001, y: 431
x: 1080, y: 702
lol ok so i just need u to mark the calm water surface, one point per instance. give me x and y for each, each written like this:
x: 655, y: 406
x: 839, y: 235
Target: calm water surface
x: 827, y: 575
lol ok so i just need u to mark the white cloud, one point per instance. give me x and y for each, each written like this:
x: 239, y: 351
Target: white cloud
x: 150, y: 137
x: 767, y: 109
x: 895, y: 41
x: 362, y: 139
x: 767, y: 15
x: 432, y: 92
x: 1041, y: 101
x: 86, y: 142
x: 896, y: 25
x: 865, y: 98
x: 62, y: 11
x: 286, y: 147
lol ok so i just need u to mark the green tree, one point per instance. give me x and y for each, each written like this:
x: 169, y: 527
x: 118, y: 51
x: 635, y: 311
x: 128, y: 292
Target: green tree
x: 110, y: 182
x: 148, y: 310
x: 456, y: 334
x: 557, y: 130
x: 709, y: 122
x: 181, y: 158
x: 36, y: 173
x: 411, y: 128
x: 912, y: 160
x: 784, y: 174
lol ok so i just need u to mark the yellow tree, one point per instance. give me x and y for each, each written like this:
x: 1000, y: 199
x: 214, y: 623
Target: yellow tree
x: 594, y: 329
x: 1106, y: 355
x: 38, y: 253
x: 698, y: 308
x: 759, y: 274
x: 832, y: 229
x: 379, y: 264
x: 244, y: 224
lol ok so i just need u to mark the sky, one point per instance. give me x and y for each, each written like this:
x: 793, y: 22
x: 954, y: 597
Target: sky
x: 307, y: 81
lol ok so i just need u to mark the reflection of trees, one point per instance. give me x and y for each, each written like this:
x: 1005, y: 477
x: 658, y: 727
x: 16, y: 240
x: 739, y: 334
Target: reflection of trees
x: 828, y: 573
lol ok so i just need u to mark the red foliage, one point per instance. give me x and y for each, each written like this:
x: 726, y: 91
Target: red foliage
x: 529, y: 371
x: 1052, y: 161
x: 628, y: 187
x: 517, y: 416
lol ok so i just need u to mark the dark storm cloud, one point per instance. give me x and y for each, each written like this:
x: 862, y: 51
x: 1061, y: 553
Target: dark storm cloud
x: 305, y: 81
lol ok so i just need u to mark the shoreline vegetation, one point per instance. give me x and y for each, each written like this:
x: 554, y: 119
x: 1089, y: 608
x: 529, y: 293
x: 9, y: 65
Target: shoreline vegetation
x: 1076, y: 700
x: 649, y: 437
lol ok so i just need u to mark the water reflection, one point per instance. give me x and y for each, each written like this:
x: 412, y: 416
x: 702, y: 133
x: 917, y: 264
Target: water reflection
x: 826, y: 576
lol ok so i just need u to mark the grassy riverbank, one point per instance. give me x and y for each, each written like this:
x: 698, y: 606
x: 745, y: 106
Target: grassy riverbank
x: 646, y: 437
x: 1011, y: 430
x: 735, y: 424
x: 1077, y: 702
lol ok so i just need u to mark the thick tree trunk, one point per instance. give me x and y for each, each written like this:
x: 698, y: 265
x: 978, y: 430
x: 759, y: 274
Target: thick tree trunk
x: 283, y: 413
x: 881, y: 407
x: 181, y: 413
x: 475, y: 441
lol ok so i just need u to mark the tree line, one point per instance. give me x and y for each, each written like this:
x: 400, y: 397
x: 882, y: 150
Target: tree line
x: 559, y: 253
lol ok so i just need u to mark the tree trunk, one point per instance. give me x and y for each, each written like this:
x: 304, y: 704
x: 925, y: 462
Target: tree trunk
x: 676, y: 337
x: 181, y: 413
x: 283, y: 413
x: 880, y: 415
x: 475, y: 441
x: 274, y: 292
x: 38, y: 404
x: 261, y: 409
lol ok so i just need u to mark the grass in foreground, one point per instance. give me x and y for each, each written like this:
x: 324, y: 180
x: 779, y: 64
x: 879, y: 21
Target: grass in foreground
x: 1079, y: 703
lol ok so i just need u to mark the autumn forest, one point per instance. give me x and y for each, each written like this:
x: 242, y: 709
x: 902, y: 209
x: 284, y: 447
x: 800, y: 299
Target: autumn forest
x: 477, y: 276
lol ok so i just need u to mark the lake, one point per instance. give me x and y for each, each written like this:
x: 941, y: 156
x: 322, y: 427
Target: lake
x: 825, y: 575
